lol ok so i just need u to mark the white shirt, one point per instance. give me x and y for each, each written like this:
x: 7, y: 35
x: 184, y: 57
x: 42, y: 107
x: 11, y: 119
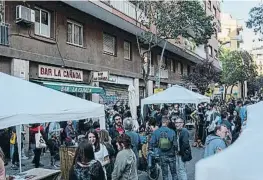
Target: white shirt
x: 209, y: 113
x: 101, y: 154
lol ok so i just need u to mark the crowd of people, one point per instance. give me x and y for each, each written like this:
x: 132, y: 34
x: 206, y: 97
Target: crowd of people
x: 161, y: 146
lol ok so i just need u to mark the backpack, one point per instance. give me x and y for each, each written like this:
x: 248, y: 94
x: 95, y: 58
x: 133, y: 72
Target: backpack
x: 164, y: 142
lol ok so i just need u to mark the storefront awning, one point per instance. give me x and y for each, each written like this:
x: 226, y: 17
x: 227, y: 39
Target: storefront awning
x: 70, y: 87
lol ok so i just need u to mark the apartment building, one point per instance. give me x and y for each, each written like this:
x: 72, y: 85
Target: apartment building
x: 230, y: 36
x: 257, y: 53
x: 84, y: 48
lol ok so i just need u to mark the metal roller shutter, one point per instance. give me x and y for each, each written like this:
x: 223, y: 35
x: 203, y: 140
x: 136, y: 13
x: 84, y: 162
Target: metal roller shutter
x: 115, y: 94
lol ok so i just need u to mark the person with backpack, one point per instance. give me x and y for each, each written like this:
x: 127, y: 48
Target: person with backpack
x: 165, y: 141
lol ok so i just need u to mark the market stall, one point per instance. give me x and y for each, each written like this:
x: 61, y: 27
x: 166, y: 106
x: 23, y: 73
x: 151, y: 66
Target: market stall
x: 23, y: 102
x: 243, y: 159
x: 174, y: 94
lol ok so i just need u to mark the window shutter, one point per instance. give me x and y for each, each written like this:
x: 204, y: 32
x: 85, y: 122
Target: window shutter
x: 69, y: 33
x: 127, y: 50
x: 109, y: 44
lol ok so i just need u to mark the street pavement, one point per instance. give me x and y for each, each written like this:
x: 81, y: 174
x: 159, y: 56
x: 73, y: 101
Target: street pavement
x: 45, y: 159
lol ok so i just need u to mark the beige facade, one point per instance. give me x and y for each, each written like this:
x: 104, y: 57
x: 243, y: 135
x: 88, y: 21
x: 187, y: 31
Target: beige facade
x: 230, y: 37
x: 213, y: 8
x: 258, y: 59
x: 230, y: 32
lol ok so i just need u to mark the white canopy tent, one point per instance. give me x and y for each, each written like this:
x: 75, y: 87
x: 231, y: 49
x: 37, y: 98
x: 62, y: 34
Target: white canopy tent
x: 175, y: 94
x: 241, y: 161
x: 23, y: 102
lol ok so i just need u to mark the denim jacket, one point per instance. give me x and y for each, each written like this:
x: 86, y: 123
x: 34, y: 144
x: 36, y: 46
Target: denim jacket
x: 155, y: 140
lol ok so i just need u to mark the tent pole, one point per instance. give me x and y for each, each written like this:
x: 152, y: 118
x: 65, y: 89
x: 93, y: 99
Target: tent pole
x: 20, y: 148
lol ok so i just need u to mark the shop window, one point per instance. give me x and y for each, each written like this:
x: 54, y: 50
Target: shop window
x: 42, y: 22
x: 127, y: 50
x: 109, y: 44
x: 74, y: 33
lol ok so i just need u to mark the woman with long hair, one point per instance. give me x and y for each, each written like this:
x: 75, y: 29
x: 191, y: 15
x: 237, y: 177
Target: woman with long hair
x: 2, y: 165
x: 105, y: 140
x: 85, y: 167
x: 100, y: 150
x: 125, y: 166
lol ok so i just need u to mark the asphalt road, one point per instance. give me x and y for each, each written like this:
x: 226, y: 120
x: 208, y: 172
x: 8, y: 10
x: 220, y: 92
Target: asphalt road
x: 190, y: 166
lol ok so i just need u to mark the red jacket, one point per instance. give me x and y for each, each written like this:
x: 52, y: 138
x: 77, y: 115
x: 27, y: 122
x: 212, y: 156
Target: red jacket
x: 33, y: 131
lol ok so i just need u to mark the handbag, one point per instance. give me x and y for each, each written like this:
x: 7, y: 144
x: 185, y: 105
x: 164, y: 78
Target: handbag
x: 40, y: 142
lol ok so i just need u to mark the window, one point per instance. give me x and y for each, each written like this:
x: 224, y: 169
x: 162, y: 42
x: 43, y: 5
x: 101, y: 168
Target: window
x: 173, y: 65
x: 209, y: 4
x: 214, y: 11
x: 109, y: 44
x: 188, y: 70
x: 127, y: 50
x: 165, y: 61
x: 75, y: 33
x: 210, y: 49
x: 215, y: 31
x: 215, y: 53
x: 181, y: 69
x: 42, y: 22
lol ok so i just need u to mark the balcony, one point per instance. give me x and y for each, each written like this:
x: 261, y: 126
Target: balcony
x: 4, y: 34
x: 151, y: 70
x: 129, y: 9
x: 164, y: 74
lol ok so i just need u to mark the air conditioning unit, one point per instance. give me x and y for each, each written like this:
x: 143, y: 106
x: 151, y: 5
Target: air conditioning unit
x: 25, y: 15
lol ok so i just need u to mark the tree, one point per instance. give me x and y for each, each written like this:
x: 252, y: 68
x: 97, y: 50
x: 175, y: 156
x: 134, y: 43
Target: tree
x: 255, y: 85
x: 231, y: 68
x: 238, y: 67
x: 255, y: 20
x: 169, y: 20
x: 203, y: 75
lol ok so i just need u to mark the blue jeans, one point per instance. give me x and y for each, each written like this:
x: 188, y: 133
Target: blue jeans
x: 150, y: 157
x: 166, y: 161
x: 181, y: 169
x: 12, y: 150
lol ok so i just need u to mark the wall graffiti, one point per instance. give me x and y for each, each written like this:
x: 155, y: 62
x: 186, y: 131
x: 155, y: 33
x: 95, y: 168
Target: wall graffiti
x: 111, y: 98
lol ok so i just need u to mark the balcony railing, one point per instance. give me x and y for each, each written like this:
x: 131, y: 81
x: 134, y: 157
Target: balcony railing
x: 4, y: 34
x: 129, y: 9
x: 151, y: 73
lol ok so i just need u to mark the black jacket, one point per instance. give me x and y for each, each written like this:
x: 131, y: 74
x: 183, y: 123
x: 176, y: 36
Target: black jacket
x: 185, y: 149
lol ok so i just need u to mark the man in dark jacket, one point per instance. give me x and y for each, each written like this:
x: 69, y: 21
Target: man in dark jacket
x: 116, y: 130
x: 184, y: 149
